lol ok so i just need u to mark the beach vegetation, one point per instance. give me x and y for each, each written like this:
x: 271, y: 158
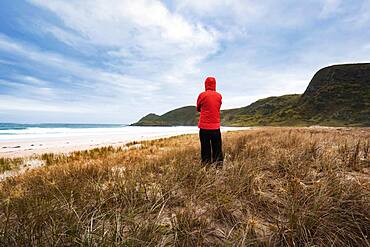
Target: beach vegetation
x: 278, y: 187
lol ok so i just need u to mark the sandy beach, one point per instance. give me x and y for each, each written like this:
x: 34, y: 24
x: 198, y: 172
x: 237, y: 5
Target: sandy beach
x: 25, y: 143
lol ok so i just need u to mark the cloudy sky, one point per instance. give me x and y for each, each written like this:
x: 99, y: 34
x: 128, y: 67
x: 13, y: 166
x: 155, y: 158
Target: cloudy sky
x: 113, y: 61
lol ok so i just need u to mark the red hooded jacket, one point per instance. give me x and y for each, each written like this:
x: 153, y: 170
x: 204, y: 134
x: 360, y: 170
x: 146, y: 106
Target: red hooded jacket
x: 209, y: 104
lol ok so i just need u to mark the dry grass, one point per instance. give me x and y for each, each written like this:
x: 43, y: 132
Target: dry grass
x: 7, y: 164
x: 278, y: 187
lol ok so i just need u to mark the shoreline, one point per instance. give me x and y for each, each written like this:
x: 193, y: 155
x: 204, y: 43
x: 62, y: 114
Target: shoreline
x: 79, y: 140
x: 31, y: 158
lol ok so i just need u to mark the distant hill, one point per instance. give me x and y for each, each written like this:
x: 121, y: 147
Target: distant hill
x: 337, y: 95
x: 186, y: 116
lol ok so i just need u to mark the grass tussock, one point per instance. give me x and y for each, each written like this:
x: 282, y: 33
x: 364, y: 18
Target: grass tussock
x: 7, y: 164
x: 278, y: 187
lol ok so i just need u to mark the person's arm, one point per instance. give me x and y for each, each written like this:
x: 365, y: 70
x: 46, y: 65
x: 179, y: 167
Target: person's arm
x: 199, y: 103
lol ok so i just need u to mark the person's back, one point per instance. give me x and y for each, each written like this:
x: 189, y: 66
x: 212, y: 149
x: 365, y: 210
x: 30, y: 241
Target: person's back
x: 209, y: 104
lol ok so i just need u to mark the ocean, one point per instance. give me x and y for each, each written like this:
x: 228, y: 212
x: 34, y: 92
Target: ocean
x: 17, y: 126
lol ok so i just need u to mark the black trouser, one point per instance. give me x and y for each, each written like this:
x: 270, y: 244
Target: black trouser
x: 211, y: 146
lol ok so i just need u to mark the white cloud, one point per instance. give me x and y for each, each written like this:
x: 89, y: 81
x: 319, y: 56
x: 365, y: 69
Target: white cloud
x: 67, y: 37
x: 90, y: 77
x: 362, y: 17
x: 142, y: 29
x: 243, y: 10
x: 147, y: 49
x: 330, y: 7
x: 31, y: 80
x: 37, y: 90
x: 367, y: 47
x: 248, y: 13
x: 6, y: 62
x: 8, y: 102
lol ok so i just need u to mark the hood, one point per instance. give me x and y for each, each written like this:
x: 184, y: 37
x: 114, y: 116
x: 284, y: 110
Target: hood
x: 210, y: 83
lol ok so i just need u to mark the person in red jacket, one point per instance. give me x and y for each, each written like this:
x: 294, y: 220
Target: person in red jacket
x: 209, y: 104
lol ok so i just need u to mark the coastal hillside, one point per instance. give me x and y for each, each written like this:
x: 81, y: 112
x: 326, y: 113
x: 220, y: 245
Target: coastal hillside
x: 337, y: 95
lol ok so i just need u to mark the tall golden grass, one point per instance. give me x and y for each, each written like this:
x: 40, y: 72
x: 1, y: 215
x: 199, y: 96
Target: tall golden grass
x: 278, y: 187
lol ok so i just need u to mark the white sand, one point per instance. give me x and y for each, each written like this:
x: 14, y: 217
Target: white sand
x: 27, y: 164
x: 37, y: 141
